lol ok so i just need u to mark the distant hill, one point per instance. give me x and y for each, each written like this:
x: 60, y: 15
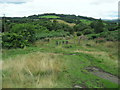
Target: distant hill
x: 64, y: 18
x: 113, y: 20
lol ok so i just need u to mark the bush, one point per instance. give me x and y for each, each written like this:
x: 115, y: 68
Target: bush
x: 110, y: 35
x: 88, y: 31
x: 98, y: 26
x: 13, y: 40
x: 26, y: 30
x: 79, y: 33
x: 92, y: 36
x: 80, y: 27
x: 20, y: 35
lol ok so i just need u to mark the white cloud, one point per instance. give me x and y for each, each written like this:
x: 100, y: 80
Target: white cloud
x: 90, y: 8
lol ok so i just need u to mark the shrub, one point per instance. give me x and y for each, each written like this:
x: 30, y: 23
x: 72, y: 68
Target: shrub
x: 92, y: 36
x: 80, y: 27
x: 110, y: 35
x: 20, y: 35
x: 79, y: 33
x: 13, y: 40
x: 88, y: 31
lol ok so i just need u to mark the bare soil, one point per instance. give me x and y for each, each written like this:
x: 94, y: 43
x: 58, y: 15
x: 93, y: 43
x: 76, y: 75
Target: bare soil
x: 100, y: 73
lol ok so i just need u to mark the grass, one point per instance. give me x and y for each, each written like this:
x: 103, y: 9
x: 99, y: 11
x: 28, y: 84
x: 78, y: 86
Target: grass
x: 31, y: 71
x: 49, y: 65
x: 62, y: 21
x: 49, y: 16
x: 88, y: 22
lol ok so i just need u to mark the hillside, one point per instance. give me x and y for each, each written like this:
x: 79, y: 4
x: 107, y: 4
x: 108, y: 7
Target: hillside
x: 59, y: 51
x: 64, y: 22
x: 67, y: 18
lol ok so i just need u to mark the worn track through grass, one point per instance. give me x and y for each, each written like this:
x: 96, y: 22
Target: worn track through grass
x: 61, y: 66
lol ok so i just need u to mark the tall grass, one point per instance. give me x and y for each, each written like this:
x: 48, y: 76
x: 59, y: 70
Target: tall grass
x: 35, y: 70
x: 47, y: 65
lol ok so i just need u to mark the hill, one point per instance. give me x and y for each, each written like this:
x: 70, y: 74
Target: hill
x: 64, y: 22
x: 66, y: 17
x: 59, y: 51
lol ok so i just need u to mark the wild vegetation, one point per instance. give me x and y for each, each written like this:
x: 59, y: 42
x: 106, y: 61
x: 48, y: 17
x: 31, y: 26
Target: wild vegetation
x: 55, y: 50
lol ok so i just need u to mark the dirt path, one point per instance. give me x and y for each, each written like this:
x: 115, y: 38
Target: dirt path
x: 102, y: 74
x: 90, y: 52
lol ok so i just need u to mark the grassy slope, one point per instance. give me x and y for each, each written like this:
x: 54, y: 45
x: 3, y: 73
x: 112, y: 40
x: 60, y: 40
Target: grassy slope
x: 62, y: 21
x: 88, y: 22
x: 48, y: 65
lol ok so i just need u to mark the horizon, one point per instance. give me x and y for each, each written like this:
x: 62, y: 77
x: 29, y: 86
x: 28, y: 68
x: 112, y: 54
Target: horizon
x: 107, y: 9
x: 57, y: 13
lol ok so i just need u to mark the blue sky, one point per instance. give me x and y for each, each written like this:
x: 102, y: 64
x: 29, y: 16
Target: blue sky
x: 105, y: 9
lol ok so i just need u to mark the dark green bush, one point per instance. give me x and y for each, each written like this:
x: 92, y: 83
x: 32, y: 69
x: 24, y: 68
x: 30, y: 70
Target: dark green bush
x: 20, y: 35
x: 92, y: 36
x: 79, y: 33
x: 26, y: 30
x: 88, y: 31
x: 13, y: 40
x: 110, y: 35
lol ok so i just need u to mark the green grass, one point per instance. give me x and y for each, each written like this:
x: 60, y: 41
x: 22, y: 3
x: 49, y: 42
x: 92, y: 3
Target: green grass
x: 49, y: 16
x: 47, y: 60
x: 88, y: 22
x: 15, y: 52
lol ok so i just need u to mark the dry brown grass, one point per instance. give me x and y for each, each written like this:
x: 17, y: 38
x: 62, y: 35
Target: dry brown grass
x: 90, y: 52
x: 70, y: 24
x: 35, y: 70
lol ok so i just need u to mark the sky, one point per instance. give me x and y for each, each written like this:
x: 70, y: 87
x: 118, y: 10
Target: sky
x: 104, y: 9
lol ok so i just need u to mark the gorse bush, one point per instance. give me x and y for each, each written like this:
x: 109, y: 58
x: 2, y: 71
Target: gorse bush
x: 20, y: 35
x: 13, y: 40
x: 92, y: 36
x: 88, y: 31
x: 26, y: 30
x: 79, y: 33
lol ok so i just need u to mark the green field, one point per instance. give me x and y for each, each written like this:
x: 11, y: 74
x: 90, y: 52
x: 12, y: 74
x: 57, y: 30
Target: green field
x: 47, y: 65
x: 87, y: 22
x: 49, y: 16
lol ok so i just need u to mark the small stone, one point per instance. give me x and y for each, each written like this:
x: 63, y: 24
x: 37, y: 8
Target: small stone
x: 77, y: 86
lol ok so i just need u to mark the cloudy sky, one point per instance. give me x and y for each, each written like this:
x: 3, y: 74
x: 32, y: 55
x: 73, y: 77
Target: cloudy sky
x: 105, y: 9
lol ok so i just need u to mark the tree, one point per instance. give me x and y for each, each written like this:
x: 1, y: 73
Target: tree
x: 88, y: 31
x: 80, y: 27
x: 26, y: 30
x: 98, y: 26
